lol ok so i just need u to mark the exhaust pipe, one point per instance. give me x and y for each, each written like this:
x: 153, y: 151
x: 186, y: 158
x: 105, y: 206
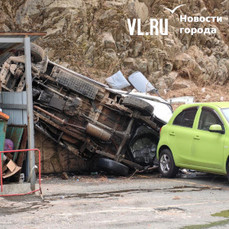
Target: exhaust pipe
x: 97, y: 132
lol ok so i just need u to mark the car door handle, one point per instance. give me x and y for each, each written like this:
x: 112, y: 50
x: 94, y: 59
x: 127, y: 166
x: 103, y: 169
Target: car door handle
x: 172, y: 134
x: 197, y: 137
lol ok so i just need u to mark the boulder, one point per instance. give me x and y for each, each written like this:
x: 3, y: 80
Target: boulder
x: 142, y: 65
x: 161, y: 86
x: 129, y: 62
x: 137, y: 48
x: 170, y: 79
x: 138, y: 9
x: 148, y: 2
x: 108, y: 41
x: 107, y: 15
x: 155, y: 76
x: 186, y: 63
x: 181, y: 83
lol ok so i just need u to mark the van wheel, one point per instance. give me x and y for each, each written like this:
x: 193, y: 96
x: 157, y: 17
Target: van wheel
x: 136, y: 103
x: 167, y: 166
x: 37, y: 53
x: 112, y: 167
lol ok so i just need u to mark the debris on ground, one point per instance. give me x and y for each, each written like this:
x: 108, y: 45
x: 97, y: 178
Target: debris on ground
x: 64, y: 176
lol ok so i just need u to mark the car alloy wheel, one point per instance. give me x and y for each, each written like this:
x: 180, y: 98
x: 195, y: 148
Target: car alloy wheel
x: 164, y: 163
x: 167, y: 166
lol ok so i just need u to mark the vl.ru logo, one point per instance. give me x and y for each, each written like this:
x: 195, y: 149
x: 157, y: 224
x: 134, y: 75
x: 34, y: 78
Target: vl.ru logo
x: 156, y: 26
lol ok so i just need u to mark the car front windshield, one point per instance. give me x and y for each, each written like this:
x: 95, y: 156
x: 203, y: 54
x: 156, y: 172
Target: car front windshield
x: 226, y: 113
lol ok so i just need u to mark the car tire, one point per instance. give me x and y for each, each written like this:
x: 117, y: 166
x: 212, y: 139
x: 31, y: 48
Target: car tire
x: 112, y: 167
x: 167, y: 166
x: 227, y: 168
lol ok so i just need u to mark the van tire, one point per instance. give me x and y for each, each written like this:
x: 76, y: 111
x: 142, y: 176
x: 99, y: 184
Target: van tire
x: 37, y: 53
x: 142, y: 106
x: 112, y: 167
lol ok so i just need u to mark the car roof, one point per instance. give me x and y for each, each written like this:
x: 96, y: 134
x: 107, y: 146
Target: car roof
x: 210, y: 104
x: 222, y: 104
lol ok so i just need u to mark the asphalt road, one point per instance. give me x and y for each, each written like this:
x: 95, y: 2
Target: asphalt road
x: 142, y: 201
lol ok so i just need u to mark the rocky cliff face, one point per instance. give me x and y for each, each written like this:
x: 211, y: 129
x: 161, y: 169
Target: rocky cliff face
x: 92, y: 37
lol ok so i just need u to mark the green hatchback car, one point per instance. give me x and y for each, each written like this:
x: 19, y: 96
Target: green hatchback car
x: 196, y: 137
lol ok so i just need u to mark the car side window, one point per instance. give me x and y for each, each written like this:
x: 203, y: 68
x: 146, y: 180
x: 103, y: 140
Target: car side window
x: 208, y: 118
x: 186, y: 117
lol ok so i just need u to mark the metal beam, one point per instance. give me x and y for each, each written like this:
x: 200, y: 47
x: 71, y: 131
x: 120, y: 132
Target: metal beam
x: 22, y: 34
x: 28, y: 73
x: 14, y: 106
x: 11, y: 40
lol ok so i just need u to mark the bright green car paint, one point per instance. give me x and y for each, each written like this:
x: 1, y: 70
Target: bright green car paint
x: 216, y: 128
x: 192, y: 148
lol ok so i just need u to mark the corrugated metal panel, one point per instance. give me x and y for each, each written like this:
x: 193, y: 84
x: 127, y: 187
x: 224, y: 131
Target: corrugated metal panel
x: 3, y: 125
x: 18, y: 116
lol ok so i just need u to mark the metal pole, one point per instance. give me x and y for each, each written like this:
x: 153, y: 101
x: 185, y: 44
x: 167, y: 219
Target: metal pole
x: 31, y: 157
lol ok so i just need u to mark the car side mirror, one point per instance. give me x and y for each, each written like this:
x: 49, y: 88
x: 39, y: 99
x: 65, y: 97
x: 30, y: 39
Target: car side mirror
x: 216, y: 128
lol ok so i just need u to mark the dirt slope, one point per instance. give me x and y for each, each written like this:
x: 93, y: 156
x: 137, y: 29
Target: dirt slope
x: 92, y: 37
